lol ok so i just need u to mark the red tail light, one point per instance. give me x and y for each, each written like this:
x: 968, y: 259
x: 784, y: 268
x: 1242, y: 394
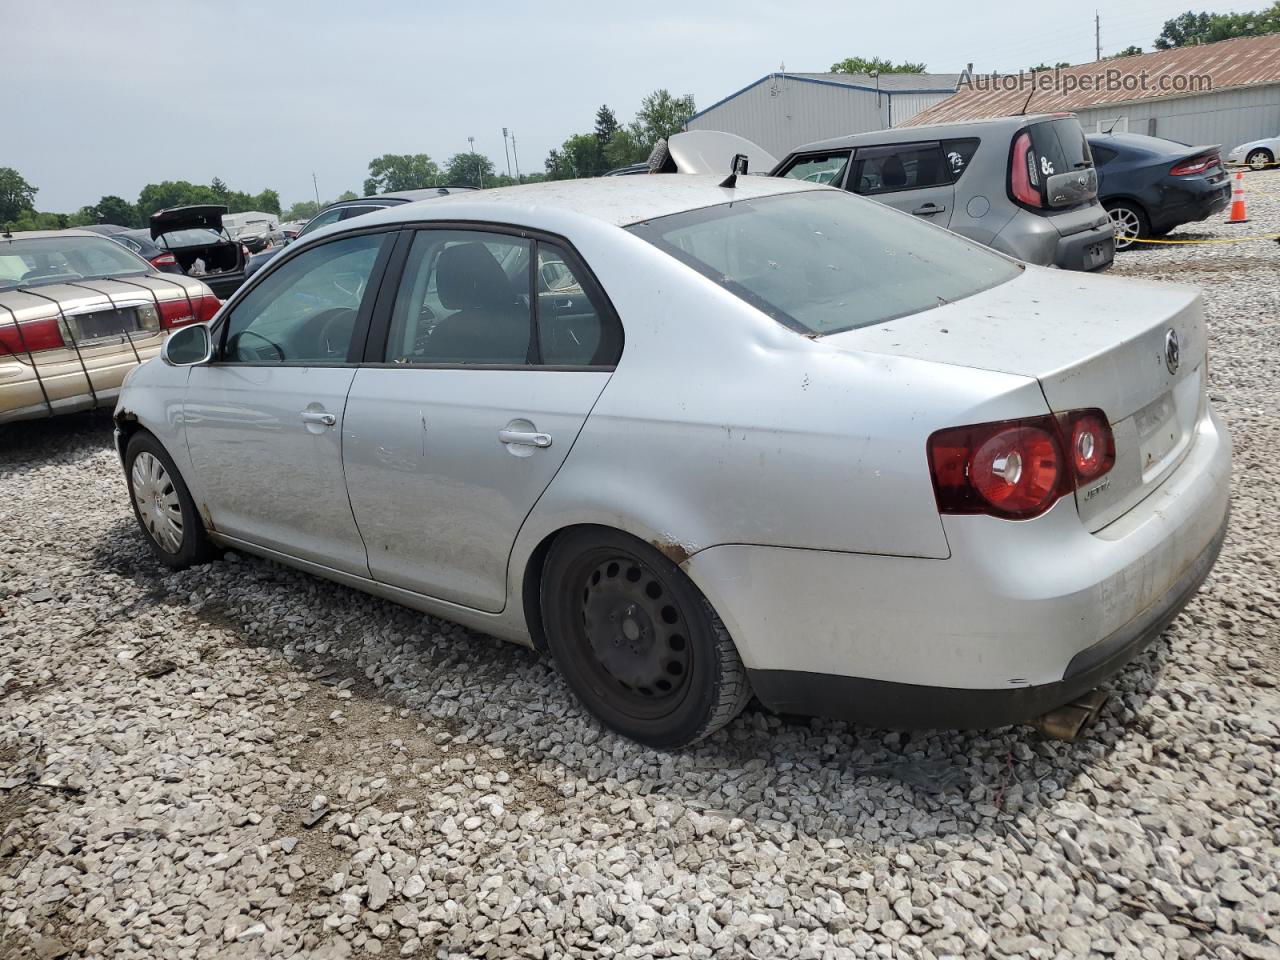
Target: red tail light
x: 179, y: 313
x: 30, y: 336
x: 164, y: 260
x: 1018, y: 469
x: 1195, y: 165
x: 1024, y: 178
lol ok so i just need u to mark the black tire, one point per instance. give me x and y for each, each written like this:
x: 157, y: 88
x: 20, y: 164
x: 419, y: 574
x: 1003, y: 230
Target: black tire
x: 193, y: 545
x: 1260, y: 158
x: 1122, y: 211
x: 637, y: 642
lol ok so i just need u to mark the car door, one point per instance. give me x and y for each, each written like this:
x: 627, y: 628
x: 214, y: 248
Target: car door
x: 264, y: 419
x: 913, y: 177
x: 482, y: 367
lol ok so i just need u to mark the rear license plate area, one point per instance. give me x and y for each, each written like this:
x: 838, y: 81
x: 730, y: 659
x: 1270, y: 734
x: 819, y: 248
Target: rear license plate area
x: 1159, y: 433
x: 105, y: 325
x: 1096, y: 254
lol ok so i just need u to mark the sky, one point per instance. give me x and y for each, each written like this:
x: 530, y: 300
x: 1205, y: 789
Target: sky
x: 104, y: 97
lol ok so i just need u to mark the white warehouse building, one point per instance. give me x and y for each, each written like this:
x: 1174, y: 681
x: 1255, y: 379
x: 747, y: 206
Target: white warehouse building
x: 783, y: 110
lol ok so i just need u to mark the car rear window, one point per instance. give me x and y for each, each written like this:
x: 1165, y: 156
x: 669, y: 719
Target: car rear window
x: 36, y: 261
x: 823, y: 261
x: 1060, y: 146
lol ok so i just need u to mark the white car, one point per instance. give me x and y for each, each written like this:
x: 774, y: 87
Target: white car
x: 700, y: 438
x: 1258, y: 154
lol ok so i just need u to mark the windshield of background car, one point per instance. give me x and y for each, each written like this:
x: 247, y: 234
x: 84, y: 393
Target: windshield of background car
x: 36, y: 261
x: 824, y: 261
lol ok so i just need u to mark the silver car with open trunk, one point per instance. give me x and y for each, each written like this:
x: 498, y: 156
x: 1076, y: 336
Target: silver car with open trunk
x: 702, y: 437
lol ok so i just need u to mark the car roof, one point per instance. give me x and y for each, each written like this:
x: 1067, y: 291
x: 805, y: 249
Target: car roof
x: 620, y: 201
x: 935, y: 131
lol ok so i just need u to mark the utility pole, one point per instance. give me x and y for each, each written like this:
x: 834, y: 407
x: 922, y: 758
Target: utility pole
x: 315, y: 186
x: 1097, y: 36
x: 506, y: 151
x: 515, y: 155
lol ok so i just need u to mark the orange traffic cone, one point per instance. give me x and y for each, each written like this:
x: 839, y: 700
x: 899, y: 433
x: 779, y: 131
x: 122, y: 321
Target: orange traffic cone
x: 1238, y: 214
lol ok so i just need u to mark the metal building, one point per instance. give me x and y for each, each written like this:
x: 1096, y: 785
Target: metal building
x: 783, y: 110
x: 1224, y: 93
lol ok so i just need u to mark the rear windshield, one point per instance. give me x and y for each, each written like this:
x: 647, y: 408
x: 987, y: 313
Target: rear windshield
x: 1060, y: 146
x: 37, y: 261
x: 824, y: 261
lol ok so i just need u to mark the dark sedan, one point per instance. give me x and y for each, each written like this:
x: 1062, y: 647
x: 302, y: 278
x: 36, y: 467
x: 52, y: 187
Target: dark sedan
x: 1150, y: 185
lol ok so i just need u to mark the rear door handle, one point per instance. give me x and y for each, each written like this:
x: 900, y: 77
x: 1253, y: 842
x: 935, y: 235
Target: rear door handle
x: 522, y: 438
x: 928, y: 209
x: 313, y: 416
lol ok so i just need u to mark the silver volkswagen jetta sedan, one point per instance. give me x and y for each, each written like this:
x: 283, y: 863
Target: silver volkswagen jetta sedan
x: 701, y: 440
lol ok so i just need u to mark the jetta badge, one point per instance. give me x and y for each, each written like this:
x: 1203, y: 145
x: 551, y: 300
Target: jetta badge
x: 1172, y: 352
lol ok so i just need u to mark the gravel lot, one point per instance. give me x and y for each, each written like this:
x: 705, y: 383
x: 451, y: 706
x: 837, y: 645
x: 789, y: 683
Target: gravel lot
x: 167, y: 743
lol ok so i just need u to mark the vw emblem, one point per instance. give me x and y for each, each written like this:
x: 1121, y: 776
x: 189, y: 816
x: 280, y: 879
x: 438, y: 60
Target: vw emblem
x: 1172, y: 352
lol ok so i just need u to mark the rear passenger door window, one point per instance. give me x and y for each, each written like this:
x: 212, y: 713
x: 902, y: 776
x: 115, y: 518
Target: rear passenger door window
x: 824, y: 168
x: 957, y: 154
x: 914, y: 177
x: 901, y: 167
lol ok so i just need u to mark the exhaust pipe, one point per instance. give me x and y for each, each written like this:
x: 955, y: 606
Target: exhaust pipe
x: 1070, y: 720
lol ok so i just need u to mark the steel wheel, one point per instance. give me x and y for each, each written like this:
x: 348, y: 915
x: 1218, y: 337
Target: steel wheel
x: 637, y: 642
x: 1128, y: 226
x: 1259, y: 159
x: 157, y: 500
x: 636, y: 633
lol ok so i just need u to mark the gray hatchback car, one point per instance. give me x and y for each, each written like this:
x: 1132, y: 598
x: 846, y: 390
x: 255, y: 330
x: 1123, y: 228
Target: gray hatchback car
x: 1025, y: 186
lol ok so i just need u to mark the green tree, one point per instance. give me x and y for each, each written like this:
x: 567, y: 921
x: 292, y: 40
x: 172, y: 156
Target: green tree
x: 660, y: 116
x: 113, y: 209
x: 1129, y: 51
x: 1044, y: 66
x: 302, y: 210
x: 173, y: 193
x: 1192, y: 28
x: 469, y: 169
x: 401, y: 171
x: 347, y: 195
x: 875, y: 65
x: 16, y: 195
x: 623, y: 149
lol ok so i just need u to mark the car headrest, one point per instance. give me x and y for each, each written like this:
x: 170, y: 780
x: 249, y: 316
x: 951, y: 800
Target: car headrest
x: 892, y: 173
x: 469, y: 277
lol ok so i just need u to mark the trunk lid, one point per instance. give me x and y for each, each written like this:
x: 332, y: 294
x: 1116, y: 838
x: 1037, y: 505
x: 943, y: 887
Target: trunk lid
x: 1091, y: 342
x: 207, y: 215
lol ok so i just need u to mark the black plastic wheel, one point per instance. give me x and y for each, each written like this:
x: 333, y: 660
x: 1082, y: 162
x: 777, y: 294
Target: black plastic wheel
x: 162, y: 504
x: 636, y: 640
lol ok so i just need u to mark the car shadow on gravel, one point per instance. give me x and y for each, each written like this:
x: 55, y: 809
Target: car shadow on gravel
x: 881, y: 786
x: 36, y: 444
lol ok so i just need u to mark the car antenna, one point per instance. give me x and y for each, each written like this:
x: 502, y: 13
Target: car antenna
x: 1113, y: 125
x: 1027, y: 102
x: 738, y: 166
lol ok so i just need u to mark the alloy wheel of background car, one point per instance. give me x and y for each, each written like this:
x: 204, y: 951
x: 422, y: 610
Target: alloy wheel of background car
x: 1130, y: 224
x: 163, y: 505
x: 1259, y: 159
x: 637, y: 641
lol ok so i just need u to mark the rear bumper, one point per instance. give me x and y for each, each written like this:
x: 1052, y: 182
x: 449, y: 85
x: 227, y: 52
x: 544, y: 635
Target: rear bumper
x: 1088, y: 250
x: 907, y: 706
x: 1022, y: 614
x: 63, y: 387
x: 1191, y: 204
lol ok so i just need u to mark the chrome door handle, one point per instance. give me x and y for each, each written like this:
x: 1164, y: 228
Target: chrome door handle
x: 311, y: 416
x: 522, y: 438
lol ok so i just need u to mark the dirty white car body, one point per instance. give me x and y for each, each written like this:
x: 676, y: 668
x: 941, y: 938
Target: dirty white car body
x: 786, y: 473
x: 1258, y: 154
